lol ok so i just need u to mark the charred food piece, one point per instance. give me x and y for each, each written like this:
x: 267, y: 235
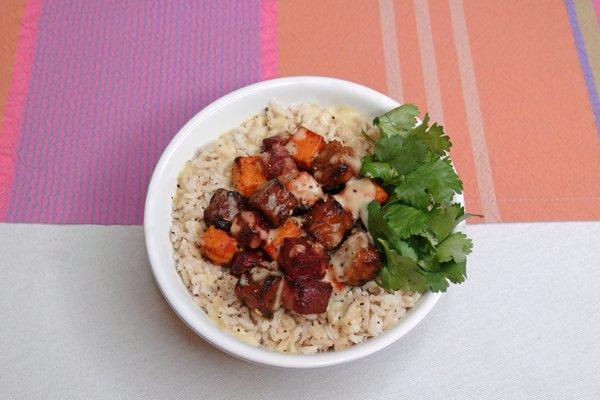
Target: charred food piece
x: 357, y: 261
x: 224, y: 205
x: 245, y: 261
x: 274, y: 201
x: 301, y: 258
x: 328, y: 222
x: 307, y: 296
x: 218, y: 246
x: 260, y: 289
x: 277, y: 162
x: 335, y: 165
x: 250, y: 229
x: 304, y: 187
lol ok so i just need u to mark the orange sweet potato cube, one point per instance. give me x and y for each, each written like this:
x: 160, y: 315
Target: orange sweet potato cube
x: 289, y: 229
x: 304, y: 146
x: 248, y: 173
x: 381, y: 195
x: 218, y: 246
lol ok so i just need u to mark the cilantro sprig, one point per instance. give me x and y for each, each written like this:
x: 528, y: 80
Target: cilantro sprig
x: 414, y: 230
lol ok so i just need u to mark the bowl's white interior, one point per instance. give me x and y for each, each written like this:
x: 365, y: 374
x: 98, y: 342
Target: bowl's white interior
x: 222, y: 115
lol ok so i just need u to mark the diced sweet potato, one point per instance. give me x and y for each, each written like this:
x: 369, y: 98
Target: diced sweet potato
x: 218, y: 246
x: 248, y: 174
x: 274, y: 201
x: 381, y: 195
x: 304, y: 146
x: 290, y: 229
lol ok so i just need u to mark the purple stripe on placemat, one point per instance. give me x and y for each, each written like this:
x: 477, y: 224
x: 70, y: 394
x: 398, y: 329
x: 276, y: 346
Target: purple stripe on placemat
x: 111, y: 83
x: 585, y: 65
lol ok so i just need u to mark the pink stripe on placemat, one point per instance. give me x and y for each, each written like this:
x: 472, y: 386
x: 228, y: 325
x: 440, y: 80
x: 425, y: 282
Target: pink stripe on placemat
x: 110, y: 86
x: 269, y: 56
x: 13, y: 111
x: 597, y: 8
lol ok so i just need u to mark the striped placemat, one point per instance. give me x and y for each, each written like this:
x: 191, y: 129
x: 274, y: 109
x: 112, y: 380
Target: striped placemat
x: 91, y: 92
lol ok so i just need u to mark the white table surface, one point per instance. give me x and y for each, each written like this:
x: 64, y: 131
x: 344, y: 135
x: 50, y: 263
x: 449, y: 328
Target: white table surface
x: 82, y: 318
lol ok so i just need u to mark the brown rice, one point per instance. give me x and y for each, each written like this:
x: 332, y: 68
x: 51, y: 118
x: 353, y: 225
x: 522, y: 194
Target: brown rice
x: 352, y: 315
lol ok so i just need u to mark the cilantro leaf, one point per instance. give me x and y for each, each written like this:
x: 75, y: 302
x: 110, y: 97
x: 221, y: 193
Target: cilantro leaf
x: 403, y: 248
x: 452, y: 271
x: 434, y: 137
x: 435, y: 181
x: 398, y: 120
x: 377, y: 225
x: 378, y: 170
x: 380, y: 230
x: 442, y: 221
x: 400, y: 272
x: 414, y: 229
x: 456, y: 247
x: 404, y: 220
x: 404, y: 153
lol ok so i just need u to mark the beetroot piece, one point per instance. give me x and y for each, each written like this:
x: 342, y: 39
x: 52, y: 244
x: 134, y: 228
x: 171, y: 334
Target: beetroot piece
x: 224, y: 205
x: 244, y: 261
x: 328, y: 222
x: 335, y: 165
x: 260, y: 289
x: 250, y: 229
x: 274, y: 201
x: 301, y: 258
x: 306, y: 296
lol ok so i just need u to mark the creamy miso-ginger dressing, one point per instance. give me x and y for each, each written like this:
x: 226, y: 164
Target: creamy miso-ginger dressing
x: 278, y: 295
x: 305, y: 187
x: 259, y: 274
x: 330, y: 276
x: 357, y: 194
x: 336, y: 233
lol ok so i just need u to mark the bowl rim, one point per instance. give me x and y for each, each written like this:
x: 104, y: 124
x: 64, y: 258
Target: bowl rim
x: 196, y: 318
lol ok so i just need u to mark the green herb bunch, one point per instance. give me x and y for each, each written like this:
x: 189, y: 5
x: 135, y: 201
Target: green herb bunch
x: 414, y: 229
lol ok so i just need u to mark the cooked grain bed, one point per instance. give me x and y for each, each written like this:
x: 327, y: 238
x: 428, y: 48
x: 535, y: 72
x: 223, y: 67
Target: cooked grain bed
x: 352, y: 315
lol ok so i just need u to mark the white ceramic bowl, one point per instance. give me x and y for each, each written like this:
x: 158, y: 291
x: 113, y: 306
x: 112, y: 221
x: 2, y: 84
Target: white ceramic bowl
x: 220, y: 116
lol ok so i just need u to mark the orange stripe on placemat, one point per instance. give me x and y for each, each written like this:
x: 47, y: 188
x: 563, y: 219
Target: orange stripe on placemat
x: 332, y: 38
x: 9, y: 29
x: 539, y: 125
x: 410, y: 56
x: 455, y: 120
x: 483, y: 170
